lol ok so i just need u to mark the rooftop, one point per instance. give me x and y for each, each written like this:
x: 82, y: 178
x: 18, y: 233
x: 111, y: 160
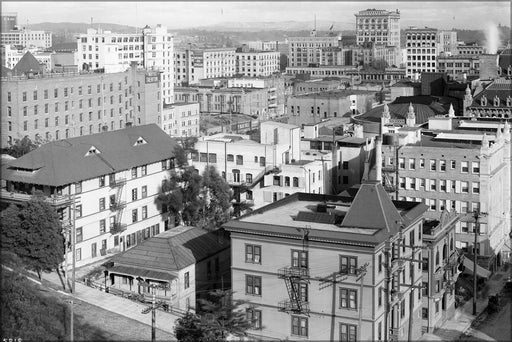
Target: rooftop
x: 337, y: 93
x: 72, y: 160
x: 331, y: 218
x: 173, y: 249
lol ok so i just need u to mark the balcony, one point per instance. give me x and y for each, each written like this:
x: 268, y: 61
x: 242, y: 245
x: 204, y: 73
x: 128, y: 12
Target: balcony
x: 117, y: 183
x: 17, y: 197
x: 298, y: 307
x: 118, y: 205
x: 117, y: 228
x: 293, y: 272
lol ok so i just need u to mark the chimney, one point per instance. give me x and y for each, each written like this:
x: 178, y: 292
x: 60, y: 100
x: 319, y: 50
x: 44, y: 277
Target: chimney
x: 378, y: 158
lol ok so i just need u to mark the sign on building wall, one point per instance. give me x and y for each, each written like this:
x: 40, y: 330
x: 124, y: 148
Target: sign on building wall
x: 152, y: 77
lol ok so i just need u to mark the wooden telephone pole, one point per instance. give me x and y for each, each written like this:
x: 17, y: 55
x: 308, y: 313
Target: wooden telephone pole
x: 153, y: 306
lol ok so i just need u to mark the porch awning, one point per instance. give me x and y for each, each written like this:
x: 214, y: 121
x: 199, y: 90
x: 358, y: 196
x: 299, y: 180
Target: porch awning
x: 139, y: 272
x: 480, y: 271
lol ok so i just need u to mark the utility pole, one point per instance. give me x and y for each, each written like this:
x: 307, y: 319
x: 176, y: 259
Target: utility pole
x: 476, y: 215
x: 396, y: 170
x: 153, y: 306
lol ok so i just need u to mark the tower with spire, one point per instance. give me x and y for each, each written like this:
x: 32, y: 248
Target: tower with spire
x: 468, y: 100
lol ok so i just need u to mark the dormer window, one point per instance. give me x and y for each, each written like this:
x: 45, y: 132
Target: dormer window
x: 496, y: 101
x: 92, y: 150
x: 509, y: 101
x: 140, y: 141
x: 483, y: 101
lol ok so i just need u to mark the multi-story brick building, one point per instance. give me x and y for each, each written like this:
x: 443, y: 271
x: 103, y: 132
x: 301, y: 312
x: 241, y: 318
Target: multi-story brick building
x: 103, y: 185
x: 214, y: 63
x: 251, y: 63
x: 26, y: 38
x: 61, y: 106
x: 251, y: 101
x: 494, y: 102
x: 457, y: 67
x: 181, y: 119
x: 151, y: 48
x: 456, y: 169
x: 306, y: 51
x: 422, y: 50
x: 318, y: 267
x: 378, y: 26
x: 312, y: 108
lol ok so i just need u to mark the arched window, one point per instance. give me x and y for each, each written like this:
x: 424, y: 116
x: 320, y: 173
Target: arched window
x: 451, y: 244
x: 496, y: 101
x: 445, y: 251
x: 437, y: 257
x: 483, y: 101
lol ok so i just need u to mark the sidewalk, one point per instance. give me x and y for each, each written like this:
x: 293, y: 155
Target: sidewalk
x: 122, y: 306
x: 461, y: 321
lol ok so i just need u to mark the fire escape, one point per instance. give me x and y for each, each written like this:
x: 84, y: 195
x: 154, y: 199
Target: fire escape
x: 117, y: 205
x: 296, y: 278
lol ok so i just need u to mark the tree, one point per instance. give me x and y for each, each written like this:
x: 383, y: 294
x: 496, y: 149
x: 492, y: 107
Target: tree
x: 180, y: 156
x: 219, y: 318
x: 223, y: 316
x: 21, y: 147
x: 34, y: 233
x: 182, y: 194
x: 218, y: 197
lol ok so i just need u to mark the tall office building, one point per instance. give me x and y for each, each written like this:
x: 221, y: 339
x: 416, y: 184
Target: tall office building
x: 151, y: 48
x: 9, y: 21
x: 307, y: 51
x: 422, y: 50
x: 378, y: 26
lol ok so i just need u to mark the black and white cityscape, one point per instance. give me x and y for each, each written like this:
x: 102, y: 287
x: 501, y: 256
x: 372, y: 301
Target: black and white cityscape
x: 256, y: 171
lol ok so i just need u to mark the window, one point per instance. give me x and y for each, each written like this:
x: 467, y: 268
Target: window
x: 464, y: 187
x: 203, y: 157
x: 24, y: 96
x: 78, y: 210
x: 381, y: 290
x: 348, y: 299
x: 253, y: 254
x: 348, y: 332
x: 254, y: 317
x: 187, y: 280
x: 299, y: 259
x: 239, y: 160
x: 299, y: 326
x: 134, y: 215
x: 464, y: 168
x: 231, y: 158
x: 102, y: 226
x: 78, y: 254
x: 432, y: 165
x: 144, y: 212
x: 348, y: 265
x: 79, y: 235
x: 422, y: 163
x: 433, y: 184
x: 453, y: 164
x: 134, y: 194
x: 412, y: 163
x: 102, y: 204
x: 253, y: 285
x: 296, y: 182
x: 134, y: 172
x: 442, y: 165
x: 78, y: 187
x: 102, y: 181
x: 380, y: 263
x: 345, y: 165
x: 476, y: 187
x: 144, y: 191
x: 143, y: 170
x: 475, y: 167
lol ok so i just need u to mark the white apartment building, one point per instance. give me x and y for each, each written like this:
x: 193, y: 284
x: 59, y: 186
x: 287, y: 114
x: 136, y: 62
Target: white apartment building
x: 422, y: 50
x: 151, y: 48
x: 307, y: 51
x: 460, y: 170
x: 104, y: 186
x: 257, y: 63
x: 181, y: 119
x: 26, y: 38
x: 378, y: 26
x: 214, y: 63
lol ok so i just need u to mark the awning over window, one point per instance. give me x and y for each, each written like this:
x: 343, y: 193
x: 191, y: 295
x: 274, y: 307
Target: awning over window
x: 138, y: 272
x: 480, y: 271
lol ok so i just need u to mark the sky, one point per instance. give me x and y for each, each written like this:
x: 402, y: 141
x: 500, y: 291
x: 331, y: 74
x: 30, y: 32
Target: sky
x: 181, y: 14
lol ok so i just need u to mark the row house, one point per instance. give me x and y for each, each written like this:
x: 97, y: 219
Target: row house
x: 104, y: 187
x: 455, y: 170
x: 62, y: 106
x: 318, y: 267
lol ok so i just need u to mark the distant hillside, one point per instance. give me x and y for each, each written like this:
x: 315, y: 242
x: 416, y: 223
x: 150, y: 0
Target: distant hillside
x: 66, y: 32
x: 321, y: 25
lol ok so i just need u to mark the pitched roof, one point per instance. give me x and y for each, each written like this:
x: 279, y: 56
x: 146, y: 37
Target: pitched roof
x: 68, y: 161
x: 372, y: 208
x: 173, y: 250
x: 501, y: 87
x: 5, y: 71
x: 27, y: 63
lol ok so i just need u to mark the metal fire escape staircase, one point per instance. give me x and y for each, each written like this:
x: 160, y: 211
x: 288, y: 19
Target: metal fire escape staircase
x: 117, y: 206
